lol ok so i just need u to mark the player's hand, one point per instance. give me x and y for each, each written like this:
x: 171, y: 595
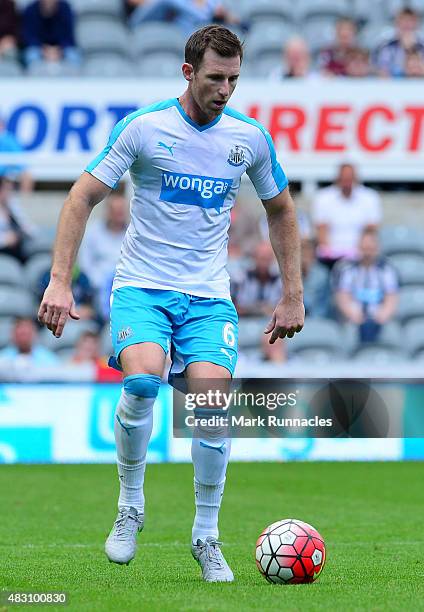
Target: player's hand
x: 57, y: 304
x: 287, y: 319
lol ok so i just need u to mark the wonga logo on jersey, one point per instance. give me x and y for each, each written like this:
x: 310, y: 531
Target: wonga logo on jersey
x: 204, y: 191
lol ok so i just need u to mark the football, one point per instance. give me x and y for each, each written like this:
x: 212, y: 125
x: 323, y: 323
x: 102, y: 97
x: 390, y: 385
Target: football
x: 290, y: 552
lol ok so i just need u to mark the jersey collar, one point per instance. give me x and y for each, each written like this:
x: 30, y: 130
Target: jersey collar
x: 199, y: 128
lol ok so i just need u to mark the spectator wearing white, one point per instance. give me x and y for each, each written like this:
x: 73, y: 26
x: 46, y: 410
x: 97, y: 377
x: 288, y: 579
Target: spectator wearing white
x: 390, y: 57
x: 24, y: 350
x: 296, y: 61
x: 366, y: 291
x: 101, y: 246
x: 341, y: 213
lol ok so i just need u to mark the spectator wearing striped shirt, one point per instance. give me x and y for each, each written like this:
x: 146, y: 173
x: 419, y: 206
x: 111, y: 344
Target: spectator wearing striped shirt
x: 366, y: 291
x: 391, y: 56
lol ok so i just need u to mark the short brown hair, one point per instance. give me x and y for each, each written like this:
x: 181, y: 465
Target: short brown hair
x: 215, y: 37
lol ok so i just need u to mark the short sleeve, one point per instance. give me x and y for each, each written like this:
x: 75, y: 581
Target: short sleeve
x: 266, y: 173
x: 119, y: 154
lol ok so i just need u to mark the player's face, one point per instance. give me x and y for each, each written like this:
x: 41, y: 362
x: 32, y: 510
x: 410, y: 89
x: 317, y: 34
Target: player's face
x: 214, y: 82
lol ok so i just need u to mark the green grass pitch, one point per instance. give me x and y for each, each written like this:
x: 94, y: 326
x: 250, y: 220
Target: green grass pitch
x: 54, y: 519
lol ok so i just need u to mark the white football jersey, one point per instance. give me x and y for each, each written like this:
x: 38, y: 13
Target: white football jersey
x: 186, y: 178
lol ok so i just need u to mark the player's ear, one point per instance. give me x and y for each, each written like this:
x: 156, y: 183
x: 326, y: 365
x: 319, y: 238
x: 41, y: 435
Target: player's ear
x: 187, y: 70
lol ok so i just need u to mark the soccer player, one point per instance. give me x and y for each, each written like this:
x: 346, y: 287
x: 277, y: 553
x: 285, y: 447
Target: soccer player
x: 186, y: 157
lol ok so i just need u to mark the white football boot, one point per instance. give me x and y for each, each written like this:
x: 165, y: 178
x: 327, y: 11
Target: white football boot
x: 121, y: 544
x: 210, y: 558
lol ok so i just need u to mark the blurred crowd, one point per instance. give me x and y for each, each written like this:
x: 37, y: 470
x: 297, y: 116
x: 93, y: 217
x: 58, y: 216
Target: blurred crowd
x: 350, y: 279
x: 347, y: 278
x: 43, y: 37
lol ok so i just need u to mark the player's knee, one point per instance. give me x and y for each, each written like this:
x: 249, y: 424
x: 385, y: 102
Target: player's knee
x: 211, y: 425
x: 142, y: 386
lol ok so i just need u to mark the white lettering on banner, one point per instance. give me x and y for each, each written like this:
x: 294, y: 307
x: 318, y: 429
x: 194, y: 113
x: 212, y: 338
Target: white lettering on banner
x: 378, y: 123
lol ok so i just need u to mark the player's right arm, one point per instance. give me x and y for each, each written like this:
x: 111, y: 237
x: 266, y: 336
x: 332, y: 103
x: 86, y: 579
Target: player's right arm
x: 58, y: 302
x: 101, y: 175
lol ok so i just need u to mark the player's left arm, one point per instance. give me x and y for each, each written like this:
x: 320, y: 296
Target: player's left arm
x: 289, y: 314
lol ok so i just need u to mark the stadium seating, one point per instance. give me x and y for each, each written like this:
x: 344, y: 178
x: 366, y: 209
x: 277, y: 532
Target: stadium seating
x: 6, y: 324
x: 10, y: 271
x: 104, y: 8
x: 411, y: 303
x: 16, y: 301
x: 393, y: 6
x: 108, y: 65
x: 267, y: 38
x: 34, y: 268
x: 319, y: 32
x: 101, y: 34
x: 323, y: 334
x: 10, y: 68
x: 413, y: 336
x: 40, y: 243
x: 71, y: 333
x: 401, y: 239
x: 157, y: 37
x: 379, y: 355
x: 410, y: 268
x: 166, y: 65
x: 254, y: 11
x: 331, y: 9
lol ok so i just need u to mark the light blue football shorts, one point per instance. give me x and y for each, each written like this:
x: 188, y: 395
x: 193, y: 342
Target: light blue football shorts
x: 193, y: 328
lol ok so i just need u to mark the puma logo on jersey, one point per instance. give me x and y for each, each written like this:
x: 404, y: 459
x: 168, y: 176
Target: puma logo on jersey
x: 195, y: 190
x: 165, y: 146
x: 230, y: 357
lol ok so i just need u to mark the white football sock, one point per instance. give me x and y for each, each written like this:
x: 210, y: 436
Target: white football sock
x: 210, y: 455
x: 133, y: 427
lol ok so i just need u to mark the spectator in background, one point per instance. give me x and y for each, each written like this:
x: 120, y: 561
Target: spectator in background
x: 24, y: 351
x: 358, y: 64
x: 340, y: 213
x: 414, y: 64
x: 188, y: 14
x: 260, y: 288
x: 316, y: 286
x: 48, y: 33
x: 332, y: 61
x: 81, y: 289
x: 296, y: 61
x: 101, y: 246
x: 14, y: 228
x: 244, y: 232
x: 9, y: 144
x: 366, y: 291
x: 9, y: 29
x: 88, y: 350
x: 390, y: 57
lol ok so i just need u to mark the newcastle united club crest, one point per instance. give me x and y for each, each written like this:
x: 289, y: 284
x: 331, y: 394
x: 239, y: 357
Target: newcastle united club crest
x: 236, y: 156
